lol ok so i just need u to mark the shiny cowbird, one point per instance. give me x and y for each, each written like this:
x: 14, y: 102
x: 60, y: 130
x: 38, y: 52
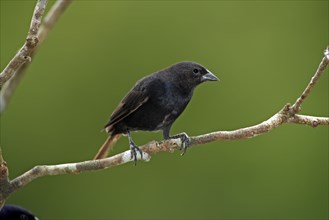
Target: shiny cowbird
x: 13, y: 212
x: 154, y: 103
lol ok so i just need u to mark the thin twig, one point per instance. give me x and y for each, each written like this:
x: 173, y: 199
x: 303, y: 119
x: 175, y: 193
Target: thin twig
x: 52, y: 17
x: 326, y: 52
x: 297, y: 106
x: 308, y: 120
x: 23, y: 55
x: 48, y: 23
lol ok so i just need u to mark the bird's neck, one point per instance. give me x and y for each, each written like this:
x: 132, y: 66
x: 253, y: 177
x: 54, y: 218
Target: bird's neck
x: 185, y: 89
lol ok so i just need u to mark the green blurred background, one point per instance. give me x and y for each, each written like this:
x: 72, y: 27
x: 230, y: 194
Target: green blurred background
x: 264, y: 52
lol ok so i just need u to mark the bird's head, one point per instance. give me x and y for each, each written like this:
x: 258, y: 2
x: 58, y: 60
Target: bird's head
x: 191, y: 73
x: 14, y: 212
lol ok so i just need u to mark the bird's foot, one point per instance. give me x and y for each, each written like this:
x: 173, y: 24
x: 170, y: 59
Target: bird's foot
x: 185, y: 139
x: 133, y: 151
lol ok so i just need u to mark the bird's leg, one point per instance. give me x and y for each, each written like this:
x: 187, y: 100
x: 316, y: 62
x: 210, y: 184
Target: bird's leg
x: 185, y: 139
x: 134, y: 148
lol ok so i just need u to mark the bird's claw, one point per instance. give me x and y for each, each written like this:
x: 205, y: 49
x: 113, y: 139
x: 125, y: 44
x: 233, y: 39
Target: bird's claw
x: 186, y: 141
x: 133, y: 152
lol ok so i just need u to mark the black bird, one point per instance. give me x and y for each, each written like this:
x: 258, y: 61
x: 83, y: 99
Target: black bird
x: 13, y: 212
x: 154, y: 103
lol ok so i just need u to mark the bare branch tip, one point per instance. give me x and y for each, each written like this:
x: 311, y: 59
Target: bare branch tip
x: 326, y: 52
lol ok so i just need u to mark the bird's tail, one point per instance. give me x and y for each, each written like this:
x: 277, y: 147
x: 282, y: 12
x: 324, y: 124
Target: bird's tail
x: 107, y: 146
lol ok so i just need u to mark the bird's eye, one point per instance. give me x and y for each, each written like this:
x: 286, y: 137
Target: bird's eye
x: 195, y: 70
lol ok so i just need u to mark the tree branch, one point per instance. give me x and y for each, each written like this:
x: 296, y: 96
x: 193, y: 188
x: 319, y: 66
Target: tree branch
x: 296, y: 107
x: 4, y: 181
x: 18, y: 72
x: 31, y: 42
x: 285, y: 116
x: 167, y: 145
x: 308, y: 120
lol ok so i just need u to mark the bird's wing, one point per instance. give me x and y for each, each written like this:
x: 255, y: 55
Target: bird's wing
x: 128, y: 105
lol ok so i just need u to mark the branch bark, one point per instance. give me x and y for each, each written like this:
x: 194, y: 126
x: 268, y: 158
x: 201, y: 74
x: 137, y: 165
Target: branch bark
x: 4, y: 181
x: 11, y: 76
x: 23, y: 55
x: 287, y: 115
x: 296, y: 107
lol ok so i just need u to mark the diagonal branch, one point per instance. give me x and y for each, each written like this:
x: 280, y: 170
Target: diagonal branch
x: 18, y: 72
x: 285, y: 116
x: 296, y: 107
x: 23, y: 55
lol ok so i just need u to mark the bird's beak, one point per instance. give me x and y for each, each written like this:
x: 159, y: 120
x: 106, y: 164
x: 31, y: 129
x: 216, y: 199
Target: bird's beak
x: 209, y: 76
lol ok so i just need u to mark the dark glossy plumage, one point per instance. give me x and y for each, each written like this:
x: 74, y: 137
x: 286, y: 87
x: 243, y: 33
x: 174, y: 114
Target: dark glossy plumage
x: 13, y: 212
x: 155, y: 102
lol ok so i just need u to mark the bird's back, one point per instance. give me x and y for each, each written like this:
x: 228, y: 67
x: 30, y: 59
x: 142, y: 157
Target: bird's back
x: 152, y: 104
